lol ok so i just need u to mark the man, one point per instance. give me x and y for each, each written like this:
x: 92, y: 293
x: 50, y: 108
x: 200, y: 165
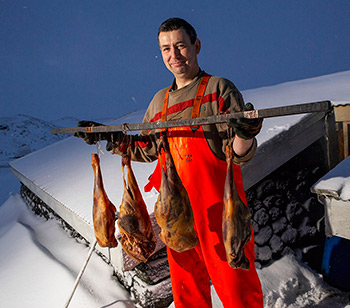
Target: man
x: 199, y: 158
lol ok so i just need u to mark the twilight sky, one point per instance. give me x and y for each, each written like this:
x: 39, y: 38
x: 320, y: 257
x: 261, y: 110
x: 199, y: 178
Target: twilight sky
x: 97, y: 59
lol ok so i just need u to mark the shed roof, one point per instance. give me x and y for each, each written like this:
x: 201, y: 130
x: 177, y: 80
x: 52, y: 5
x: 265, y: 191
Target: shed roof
x: 336, y: 183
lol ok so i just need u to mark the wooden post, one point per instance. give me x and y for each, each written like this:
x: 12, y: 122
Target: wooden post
x: 342, y: 114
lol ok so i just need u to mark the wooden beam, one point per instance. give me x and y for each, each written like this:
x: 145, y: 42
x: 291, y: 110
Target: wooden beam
x: 259, y: 113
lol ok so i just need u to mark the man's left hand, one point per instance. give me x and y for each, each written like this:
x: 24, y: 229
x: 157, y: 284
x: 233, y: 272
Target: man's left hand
x: 246, y: 128
x: 93, y: 138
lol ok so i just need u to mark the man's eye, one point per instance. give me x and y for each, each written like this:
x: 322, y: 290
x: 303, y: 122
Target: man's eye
x: 165, y: 49
x: 181, y: 46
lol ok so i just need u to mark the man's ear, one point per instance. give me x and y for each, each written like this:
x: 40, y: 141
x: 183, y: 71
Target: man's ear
x: 197, y: 44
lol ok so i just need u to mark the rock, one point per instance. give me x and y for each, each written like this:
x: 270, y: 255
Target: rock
x: 153, y: 271
x: 263, y: 254
x: 152, y: 296
x: 289, y: 236
x: 256, y: 204
x: 279, y: 225
x: 255, y: 227
x: 290, y: 210
x: 261, y: 217
x: 263, y: 235
x: 276, y: 244
x: 269, y: 201
x: 288, y: 251
x: 274, y: 213
x: 265, y: 188
x: 147, y: 296
x: 257, y: 265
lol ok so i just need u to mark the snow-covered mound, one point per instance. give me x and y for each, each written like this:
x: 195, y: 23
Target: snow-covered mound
x: 289, y: 284
x: 22, y: 134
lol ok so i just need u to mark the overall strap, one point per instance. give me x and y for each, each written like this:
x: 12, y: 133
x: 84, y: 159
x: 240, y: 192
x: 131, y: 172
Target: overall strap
x: 197, y: 101
x: 199, y: 96
x: 165, y: 105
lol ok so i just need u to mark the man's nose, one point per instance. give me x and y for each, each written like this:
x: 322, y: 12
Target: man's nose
x: 175, y: 52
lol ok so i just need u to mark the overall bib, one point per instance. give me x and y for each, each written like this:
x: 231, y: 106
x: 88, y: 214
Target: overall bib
x: 203, y: 175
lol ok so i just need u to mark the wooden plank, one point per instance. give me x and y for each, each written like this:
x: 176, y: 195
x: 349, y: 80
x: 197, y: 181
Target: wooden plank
x: 332, y: 140
x: 337, y: 213
x: 259, y: 113
x: 342, y: 113
x: 346, y: 138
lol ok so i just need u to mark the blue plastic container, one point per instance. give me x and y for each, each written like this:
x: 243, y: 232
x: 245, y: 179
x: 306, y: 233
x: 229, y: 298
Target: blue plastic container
x: 336, y: 262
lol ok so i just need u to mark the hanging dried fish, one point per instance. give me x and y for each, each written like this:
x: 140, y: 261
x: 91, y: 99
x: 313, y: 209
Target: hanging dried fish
x: 103, y: 212
x: 138, y: 239
x: 173, y: 209
x: 236, y: 229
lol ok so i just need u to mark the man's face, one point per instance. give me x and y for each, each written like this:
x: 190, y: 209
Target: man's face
x: 179, y: 55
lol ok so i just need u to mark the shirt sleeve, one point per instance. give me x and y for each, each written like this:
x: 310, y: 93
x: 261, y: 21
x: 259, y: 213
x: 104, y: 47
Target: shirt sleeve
x: 140, y: 147
x: 232, y: 101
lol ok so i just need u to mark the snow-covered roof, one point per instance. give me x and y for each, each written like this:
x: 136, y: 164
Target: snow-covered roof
x: 333, y: 87
x: 336, y: 183
x: 63, y: 170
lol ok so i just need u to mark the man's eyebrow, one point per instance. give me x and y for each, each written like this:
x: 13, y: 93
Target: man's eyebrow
x: 176, y: 43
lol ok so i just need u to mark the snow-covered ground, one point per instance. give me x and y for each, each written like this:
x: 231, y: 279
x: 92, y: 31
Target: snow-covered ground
x: 39, y: 261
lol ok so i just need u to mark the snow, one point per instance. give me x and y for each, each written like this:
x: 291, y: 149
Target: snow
x: 333, y: 87
x: 69, y: 177
x: 39, y: 261
x: 337, y: 181
x: 28, y: 133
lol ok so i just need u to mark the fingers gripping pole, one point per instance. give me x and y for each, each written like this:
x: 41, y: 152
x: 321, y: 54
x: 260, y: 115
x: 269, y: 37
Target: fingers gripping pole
x: 81, y: 274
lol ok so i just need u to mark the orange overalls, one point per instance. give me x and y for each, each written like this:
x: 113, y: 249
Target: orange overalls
x: 203, y: 176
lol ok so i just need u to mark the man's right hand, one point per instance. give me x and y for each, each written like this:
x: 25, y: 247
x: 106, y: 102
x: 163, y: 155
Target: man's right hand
x: 93, y: 138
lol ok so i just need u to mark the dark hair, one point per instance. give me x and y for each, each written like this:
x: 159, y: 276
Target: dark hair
x: 172, y: 24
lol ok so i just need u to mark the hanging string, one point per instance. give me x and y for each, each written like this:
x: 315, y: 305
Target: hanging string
x: 98, y: 146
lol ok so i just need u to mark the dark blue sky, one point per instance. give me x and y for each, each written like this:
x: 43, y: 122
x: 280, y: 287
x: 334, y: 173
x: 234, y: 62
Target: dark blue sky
x: 97, y: 59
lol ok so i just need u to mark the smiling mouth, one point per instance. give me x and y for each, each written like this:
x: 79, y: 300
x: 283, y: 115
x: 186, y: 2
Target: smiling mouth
x: 177, y: 64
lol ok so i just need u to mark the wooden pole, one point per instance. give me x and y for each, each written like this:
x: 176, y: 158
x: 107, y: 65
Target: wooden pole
x: 259, y: 113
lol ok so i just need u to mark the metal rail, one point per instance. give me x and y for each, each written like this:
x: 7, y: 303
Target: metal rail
x: 259, y: 113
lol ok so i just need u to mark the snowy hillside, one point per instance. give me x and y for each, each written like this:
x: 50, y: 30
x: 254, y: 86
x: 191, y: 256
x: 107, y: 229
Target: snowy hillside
x: 22, y: 134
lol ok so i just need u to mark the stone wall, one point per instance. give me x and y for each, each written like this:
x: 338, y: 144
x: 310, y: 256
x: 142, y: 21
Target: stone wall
x: 286, y: 216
